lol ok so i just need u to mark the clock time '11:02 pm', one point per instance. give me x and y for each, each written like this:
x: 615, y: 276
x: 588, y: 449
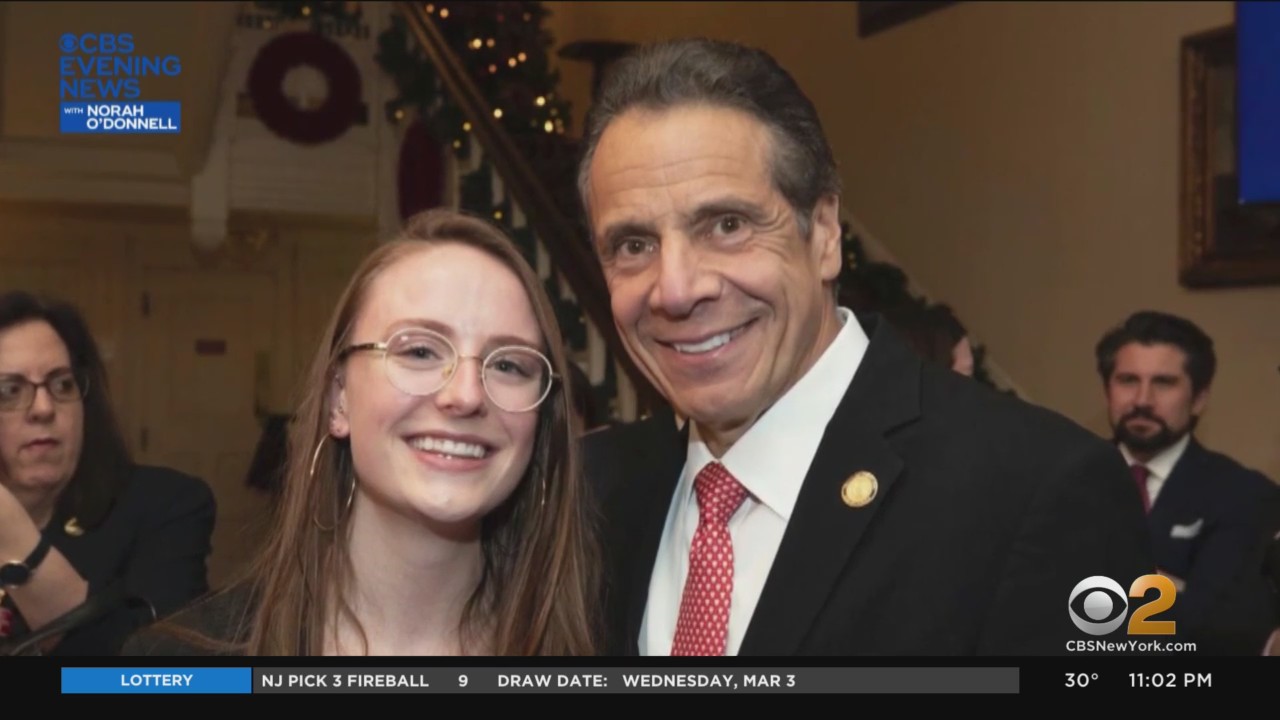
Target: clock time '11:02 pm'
x: 1169, y: 679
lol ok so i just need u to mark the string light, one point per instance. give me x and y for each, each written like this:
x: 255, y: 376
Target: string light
x: 493, y: 69
x: 548, y: 126
x: 444, y: 13
x: 399, y: 114
x: 457, y: 144
x: 522, y: 57
x: 497, y: 113
x: 476, y: 44
x: 497, y: 214
x: 527, y: 17
x: 540, y: 101
x: 466, y: 127
x: 489, y: 42
x: 306, y: 11
x: 511, y: 62
x: 430, y: 8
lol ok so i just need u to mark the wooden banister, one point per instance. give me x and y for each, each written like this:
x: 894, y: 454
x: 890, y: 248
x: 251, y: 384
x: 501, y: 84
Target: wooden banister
x: 564, y: 240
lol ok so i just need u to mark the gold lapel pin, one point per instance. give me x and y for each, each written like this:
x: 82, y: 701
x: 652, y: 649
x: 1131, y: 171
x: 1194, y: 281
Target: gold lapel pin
x: 859, y: 490
x: 72, y: 528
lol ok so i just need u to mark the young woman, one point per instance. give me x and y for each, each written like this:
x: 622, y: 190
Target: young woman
x: 432, y: 503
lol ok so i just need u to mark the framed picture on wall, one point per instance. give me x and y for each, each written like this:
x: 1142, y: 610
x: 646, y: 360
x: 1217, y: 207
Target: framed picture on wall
x: 1222, y: 242
x: 874, y: 17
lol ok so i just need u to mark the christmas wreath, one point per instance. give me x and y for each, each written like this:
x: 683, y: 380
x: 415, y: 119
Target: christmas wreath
x: 341, y: 107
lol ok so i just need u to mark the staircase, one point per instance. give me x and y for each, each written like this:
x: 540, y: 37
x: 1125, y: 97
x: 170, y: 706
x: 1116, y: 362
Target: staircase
x: 496, y: 179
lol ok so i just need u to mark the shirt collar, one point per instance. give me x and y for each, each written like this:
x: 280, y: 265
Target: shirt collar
x: 1162, y: 464
x: 772, y: 458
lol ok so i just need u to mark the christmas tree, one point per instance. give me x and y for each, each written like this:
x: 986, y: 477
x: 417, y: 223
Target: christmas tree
x: 505, y: 50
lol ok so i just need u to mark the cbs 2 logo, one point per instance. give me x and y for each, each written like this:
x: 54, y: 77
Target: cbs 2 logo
x: 1098, y: 604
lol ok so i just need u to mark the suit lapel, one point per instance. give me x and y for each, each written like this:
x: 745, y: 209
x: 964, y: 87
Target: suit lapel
x: 654, y: 475
x: 823, y: 531
x: 1180, y: 491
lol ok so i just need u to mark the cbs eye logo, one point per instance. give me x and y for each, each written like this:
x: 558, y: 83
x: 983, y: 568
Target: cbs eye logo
x: 1098, y: 605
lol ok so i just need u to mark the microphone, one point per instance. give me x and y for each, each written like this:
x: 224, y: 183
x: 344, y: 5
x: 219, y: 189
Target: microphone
x: 113, y: 597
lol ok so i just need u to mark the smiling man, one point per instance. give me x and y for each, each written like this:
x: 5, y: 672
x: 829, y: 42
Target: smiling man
x: 1209, y: 516
x: 829, y: 494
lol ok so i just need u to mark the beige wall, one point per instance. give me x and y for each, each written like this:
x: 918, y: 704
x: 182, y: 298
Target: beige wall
x: 1020, y: 160
x: 266, y: 304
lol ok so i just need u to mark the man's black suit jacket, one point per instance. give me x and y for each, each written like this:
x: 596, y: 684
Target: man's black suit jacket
x: 1210, y: 525
x: 989, y: 512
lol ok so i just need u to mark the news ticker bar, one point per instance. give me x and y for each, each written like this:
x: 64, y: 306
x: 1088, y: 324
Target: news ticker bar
x: 311, y: 681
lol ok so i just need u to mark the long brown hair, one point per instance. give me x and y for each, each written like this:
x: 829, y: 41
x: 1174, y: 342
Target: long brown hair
x: 538, y: 587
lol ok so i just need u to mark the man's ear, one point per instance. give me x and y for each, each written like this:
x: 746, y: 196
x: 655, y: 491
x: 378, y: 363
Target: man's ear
x: 1199, y: 402
x: 339, y: 424
x: 825, y: 237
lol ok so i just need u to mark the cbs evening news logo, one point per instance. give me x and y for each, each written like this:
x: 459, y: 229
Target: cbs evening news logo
x: 1099, y: 606
x: 100, y: 81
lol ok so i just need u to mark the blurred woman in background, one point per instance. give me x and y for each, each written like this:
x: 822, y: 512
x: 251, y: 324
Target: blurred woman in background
x: 936, y: 333
x: 77, y: 518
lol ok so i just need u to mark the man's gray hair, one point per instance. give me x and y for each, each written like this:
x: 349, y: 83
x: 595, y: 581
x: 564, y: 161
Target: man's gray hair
x: 711, y: 72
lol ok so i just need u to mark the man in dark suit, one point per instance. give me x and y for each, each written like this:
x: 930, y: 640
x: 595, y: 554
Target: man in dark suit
x: 1210, y: 517
x: 829, y: 493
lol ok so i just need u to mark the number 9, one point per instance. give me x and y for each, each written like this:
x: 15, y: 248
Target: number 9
x: 462, y: 681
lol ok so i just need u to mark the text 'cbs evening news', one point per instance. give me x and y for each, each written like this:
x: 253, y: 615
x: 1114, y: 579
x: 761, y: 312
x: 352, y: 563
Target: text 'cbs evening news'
x: 101, y: 80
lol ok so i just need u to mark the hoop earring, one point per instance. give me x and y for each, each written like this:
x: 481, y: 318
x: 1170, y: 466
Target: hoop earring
x: 351, y: 494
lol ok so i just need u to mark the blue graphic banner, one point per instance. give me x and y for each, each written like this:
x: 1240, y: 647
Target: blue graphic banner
x: 121, y: 117
x: 137, y: 681
x: 1258, y: 101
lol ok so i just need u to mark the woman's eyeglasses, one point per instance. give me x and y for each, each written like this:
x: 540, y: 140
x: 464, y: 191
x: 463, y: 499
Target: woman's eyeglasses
x: 421, y: 362
x: 17, y: 393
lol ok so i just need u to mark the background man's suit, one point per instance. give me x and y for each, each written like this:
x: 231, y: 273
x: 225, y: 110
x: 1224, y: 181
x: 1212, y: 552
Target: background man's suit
x: 989, y: 512
x: 1209, y: 526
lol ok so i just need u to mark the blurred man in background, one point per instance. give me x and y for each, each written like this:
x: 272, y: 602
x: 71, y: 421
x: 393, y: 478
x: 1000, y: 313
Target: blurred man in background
x: 1209, y: 516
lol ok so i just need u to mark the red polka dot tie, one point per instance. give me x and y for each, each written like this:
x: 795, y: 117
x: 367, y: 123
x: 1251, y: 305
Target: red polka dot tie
x: 703, y: 625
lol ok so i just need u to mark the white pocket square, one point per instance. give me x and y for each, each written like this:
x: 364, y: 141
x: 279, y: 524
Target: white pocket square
x: 1186, y: 532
